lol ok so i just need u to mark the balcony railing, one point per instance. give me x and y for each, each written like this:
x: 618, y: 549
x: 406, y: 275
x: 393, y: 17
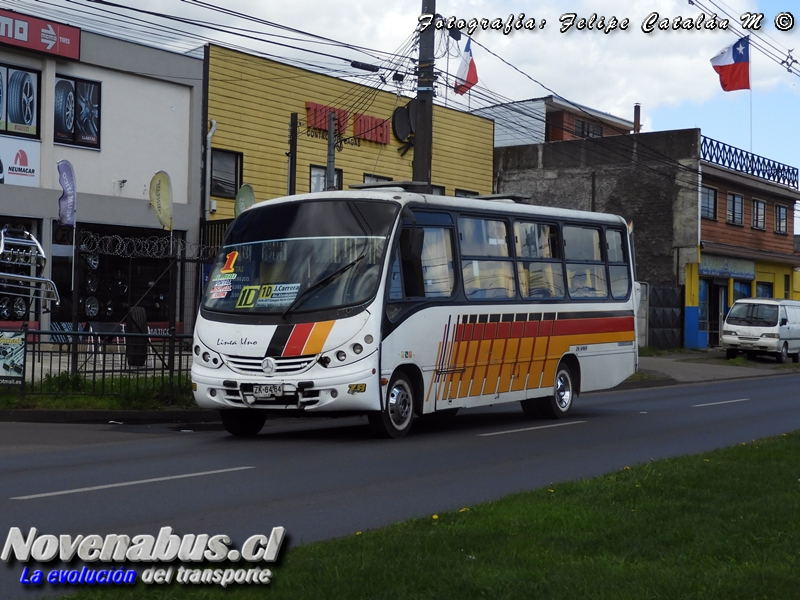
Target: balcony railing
x: 747, y: 162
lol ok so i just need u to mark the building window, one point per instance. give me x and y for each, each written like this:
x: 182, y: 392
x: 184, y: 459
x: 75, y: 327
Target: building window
x: 465, y: 193
x: 781, y: 213
x: 226, y: 173
x: 437, y: 190
x: 317, y: 183
x: 585, y: 129
x: 763, y: 290
x: 77, y: 112
x: 759, y: 215
x: 734, y: 209
x: 787, y: 286
x: 741, y: 289
x: 708, y: 203
x: 368, y: 178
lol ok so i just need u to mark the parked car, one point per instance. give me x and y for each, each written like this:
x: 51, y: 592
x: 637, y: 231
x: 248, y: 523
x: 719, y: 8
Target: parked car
x: 763, y: 326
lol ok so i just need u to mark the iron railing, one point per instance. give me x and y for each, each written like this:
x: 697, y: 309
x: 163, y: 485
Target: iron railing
x: 67, y: 363
x: 747, y: 162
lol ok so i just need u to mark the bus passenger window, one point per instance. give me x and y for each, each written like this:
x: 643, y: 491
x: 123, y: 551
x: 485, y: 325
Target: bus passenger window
x: 427, y: 262
x: 541, y: 280
x: 619, y: 271
x: 587, y: 278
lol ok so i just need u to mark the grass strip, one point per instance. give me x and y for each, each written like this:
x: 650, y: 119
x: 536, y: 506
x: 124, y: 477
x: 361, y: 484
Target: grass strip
x: 718, y: 525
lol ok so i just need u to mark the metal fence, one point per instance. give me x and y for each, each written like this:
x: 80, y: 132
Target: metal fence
x: 127, y: 365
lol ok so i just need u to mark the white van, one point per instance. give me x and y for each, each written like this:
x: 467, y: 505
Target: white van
x: 763, y: 326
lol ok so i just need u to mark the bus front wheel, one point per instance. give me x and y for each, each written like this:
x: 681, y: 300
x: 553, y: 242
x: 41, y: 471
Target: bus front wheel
x: 394, y: 421
x: 558, y: 404
x: 243, y: 423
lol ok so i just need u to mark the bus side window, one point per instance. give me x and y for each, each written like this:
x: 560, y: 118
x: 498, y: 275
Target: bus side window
x: 426, y: 262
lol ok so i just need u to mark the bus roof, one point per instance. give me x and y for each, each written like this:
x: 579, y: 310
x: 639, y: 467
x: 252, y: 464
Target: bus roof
x: 506, y: 205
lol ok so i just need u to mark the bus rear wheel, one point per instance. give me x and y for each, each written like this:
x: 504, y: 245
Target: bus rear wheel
x: 394, y: 421
x: 558, y: 404
x: 243, y: 423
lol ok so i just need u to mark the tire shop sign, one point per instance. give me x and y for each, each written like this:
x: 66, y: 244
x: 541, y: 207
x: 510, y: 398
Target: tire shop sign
x: 39, y: 35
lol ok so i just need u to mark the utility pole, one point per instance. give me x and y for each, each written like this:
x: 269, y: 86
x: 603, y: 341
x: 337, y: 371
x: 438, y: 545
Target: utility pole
x: 330, y: 170
x: 423, y: 134
x: 292, y: 182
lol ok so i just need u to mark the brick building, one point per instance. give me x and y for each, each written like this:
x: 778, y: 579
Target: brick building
x: 713, y: 221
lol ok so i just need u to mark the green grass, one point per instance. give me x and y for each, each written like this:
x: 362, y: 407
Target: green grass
x: 723, y: 525
x: 66, y: 391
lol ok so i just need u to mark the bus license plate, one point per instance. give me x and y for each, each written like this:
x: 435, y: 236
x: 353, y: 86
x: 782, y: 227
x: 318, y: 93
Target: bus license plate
x: 263, y: 391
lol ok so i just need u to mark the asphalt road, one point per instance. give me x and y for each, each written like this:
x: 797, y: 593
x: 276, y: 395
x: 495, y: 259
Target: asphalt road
x: 326, y: 478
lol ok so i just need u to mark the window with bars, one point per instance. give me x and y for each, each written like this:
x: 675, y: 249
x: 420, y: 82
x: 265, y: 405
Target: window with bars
x: 708, y: 203
x: 585, y: 129
x: 734, y: 215
x: 759, y: 215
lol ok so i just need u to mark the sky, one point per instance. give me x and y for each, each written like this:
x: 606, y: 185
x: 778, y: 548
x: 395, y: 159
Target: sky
x: 667, y: 72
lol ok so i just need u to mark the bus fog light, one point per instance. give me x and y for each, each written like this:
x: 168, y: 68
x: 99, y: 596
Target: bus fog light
x: 212, y: 392
x: 358, y: 348
x: 334, y: 393
x: 341, y: 356
x: 368, y: 339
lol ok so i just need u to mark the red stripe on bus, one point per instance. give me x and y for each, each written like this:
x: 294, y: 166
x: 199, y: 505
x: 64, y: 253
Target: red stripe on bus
x: 517, y: 329
x: 490, y: 331
x: 604, y: 325
x: 297, y: 340
x: 503, y: 330
x: 546, y: 328
x: 477, y: 333
x: 531, y: 329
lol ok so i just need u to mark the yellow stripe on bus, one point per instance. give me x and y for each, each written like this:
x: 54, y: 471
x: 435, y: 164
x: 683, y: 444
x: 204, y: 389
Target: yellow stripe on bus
x: 318, y: 336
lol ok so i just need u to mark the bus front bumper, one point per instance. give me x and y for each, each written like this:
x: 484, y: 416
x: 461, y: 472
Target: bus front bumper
x: 343, y: 389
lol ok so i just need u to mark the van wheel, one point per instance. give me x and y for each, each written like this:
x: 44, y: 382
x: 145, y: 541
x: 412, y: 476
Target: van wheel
x: 730, y: 353
x: 783, y: 356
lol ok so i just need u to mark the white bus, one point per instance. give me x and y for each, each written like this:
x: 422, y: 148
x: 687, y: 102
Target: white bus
x: 395, y: 304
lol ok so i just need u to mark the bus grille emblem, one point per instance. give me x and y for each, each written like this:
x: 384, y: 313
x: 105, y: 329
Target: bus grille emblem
x: 268, y: 365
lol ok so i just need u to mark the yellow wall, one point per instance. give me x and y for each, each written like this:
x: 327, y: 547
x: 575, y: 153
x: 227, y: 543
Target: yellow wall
x: 773, y: 273
x: 251, y: 99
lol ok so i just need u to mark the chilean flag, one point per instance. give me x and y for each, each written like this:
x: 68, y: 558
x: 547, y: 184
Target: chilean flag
x: 467, y: 75
x: 733, y: 65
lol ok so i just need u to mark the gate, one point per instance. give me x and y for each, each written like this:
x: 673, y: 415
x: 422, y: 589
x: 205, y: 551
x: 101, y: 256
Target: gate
x: 665, y: 317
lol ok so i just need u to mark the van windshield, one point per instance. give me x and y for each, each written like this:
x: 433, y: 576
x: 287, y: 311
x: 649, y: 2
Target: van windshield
x: 758, y: 315
x: 301, y: 256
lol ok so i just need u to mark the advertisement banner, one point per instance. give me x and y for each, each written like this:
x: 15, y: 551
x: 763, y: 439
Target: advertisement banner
x: 67, y: 201
x: 12, y: 357
x: 20, y: 161
x: 22, y: 102
x: 245, y: 198
x: 39, y: 35
x: 161, y: 198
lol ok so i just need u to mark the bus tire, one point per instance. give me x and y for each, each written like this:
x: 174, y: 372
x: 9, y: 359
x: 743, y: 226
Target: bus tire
x: 242, y: 422
x: 394, y: 421
x: 558, y: 404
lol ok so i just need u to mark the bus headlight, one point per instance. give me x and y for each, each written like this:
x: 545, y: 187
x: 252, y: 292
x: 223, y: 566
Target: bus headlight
x: 358, y: 348
x: 771, y: 335
x: 206, y: 357
x: 341, y: 356
x: 727, y: 332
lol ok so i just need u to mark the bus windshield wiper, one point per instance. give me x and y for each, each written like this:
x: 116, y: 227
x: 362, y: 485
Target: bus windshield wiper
x: 324, y: 281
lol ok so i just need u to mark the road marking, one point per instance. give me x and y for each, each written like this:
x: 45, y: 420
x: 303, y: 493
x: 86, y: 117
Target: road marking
x: 126, y: 483
x: 723, y: 402
x: 530, y: 428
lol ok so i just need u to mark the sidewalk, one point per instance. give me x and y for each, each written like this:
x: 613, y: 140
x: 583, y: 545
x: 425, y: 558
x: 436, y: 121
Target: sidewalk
x: 686, y: 366
x: 691, y: 366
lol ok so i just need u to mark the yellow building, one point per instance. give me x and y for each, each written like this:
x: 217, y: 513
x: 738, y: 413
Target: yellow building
x: 251, y: 99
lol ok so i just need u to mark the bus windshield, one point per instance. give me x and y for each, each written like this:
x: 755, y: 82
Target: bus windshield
x: 301, y: 256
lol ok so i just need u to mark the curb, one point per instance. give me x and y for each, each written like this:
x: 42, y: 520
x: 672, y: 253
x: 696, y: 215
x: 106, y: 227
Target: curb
x: 33, y: 415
